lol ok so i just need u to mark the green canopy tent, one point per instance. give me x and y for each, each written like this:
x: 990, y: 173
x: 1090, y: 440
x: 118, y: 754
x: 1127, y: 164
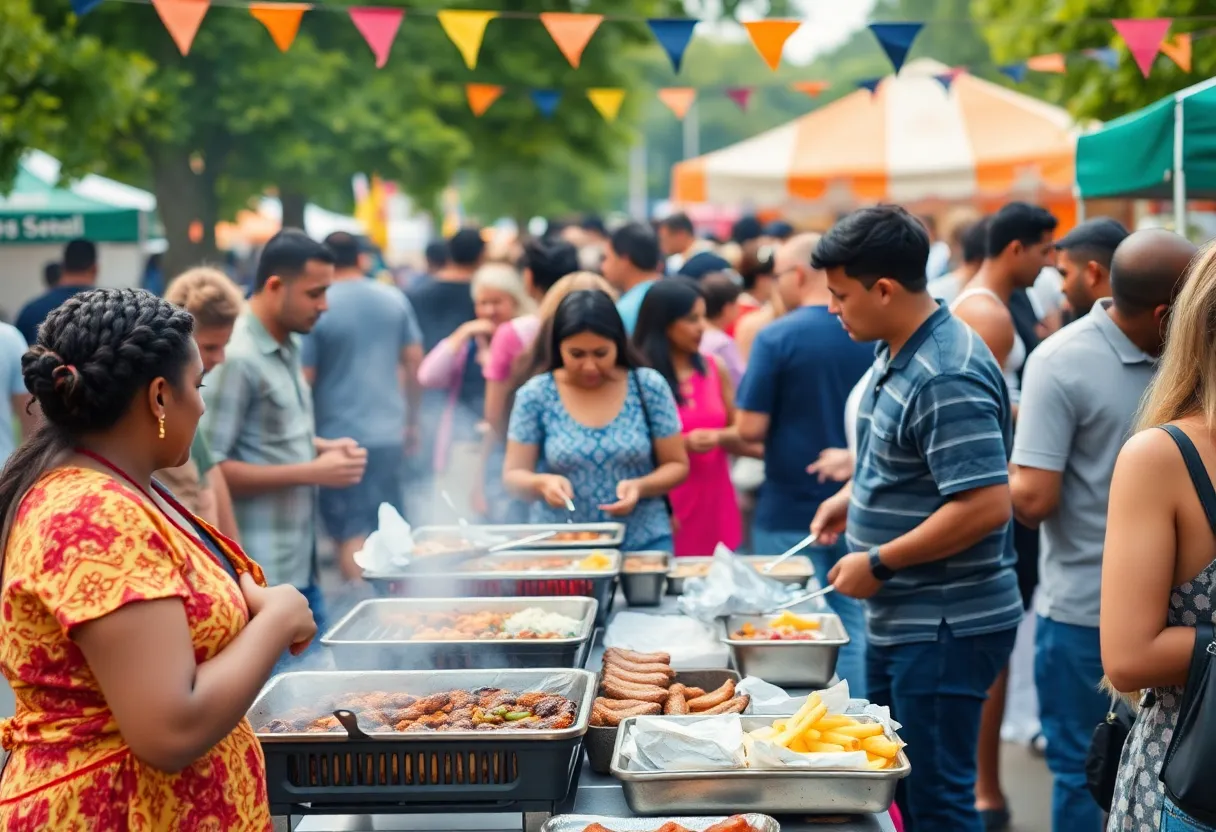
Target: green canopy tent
x: 38, y: 212
x: 1166, y: 150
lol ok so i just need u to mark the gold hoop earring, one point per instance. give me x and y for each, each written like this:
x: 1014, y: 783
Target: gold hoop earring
x: 161, y: 433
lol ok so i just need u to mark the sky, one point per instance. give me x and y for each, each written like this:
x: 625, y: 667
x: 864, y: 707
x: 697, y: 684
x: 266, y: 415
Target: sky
x: 826, y: 24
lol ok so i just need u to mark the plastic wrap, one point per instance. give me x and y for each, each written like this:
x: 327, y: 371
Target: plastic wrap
x: 732, y: 587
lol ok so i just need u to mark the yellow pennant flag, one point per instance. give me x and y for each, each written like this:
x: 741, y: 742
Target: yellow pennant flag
x: 282, y: 20
x: 1178, y: 50
x: 607, y: 100
x: 466, y: 29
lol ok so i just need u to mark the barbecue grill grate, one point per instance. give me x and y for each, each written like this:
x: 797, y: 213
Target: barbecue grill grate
x: 405, y: 769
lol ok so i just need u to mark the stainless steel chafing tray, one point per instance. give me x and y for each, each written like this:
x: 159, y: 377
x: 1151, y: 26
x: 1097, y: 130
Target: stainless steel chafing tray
x: 806, y: 664
x: 796, y: 571
x: 374, y: 636
x: 608, y: 535
x: 777, y: 792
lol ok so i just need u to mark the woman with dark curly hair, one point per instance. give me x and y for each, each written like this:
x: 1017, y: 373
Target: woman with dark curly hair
x: 135, y: 635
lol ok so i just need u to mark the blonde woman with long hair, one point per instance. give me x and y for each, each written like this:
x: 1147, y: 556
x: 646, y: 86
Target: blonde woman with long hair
x: 1159, y: 560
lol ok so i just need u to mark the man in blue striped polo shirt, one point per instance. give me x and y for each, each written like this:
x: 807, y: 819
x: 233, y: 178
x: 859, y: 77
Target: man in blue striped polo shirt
x: 927, y: 512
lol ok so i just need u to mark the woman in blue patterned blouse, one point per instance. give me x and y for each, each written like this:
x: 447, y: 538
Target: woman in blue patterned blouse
x: 595, y: 429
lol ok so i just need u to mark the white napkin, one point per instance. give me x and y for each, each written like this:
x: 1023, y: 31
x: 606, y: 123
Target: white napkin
x: 657, y: 744
x: 389, y: 546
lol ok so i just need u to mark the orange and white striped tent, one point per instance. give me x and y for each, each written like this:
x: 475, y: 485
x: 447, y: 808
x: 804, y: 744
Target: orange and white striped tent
x: 911, y: 140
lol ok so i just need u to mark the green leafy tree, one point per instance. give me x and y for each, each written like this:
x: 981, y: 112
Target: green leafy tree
x: 1090, y: 90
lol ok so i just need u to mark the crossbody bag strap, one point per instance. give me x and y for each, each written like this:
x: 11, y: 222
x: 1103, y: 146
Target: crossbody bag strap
x: 1199, y: 473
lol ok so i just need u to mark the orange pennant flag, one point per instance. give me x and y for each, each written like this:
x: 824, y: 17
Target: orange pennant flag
x: 481, y: 97
x: 571, y: 32
x: 1178, y: 50
x: 182, y: 19
x: 811, y: 88
x: 282, y: 20
x: 1047, y: 63
x: 678, y: 99
x: 467, y: 29
x: 769, y: 37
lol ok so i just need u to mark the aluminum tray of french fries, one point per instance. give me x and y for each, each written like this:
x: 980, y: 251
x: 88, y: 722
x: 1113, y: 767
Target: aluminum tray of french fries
x: 817, y: 761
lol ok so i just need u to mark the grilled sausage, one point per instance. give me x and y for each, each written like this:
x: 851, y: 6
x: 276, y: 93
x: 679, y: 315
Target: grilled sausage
x: 612, y: 671
x: 676, y: 704
x: 640, y: 658
x: 639, y: 667
x: 620, y: 704
x: 731, y: 706
x: 612, y: 719
x: 713, y: 698
x: 693, y: 693
x: 616, y: 689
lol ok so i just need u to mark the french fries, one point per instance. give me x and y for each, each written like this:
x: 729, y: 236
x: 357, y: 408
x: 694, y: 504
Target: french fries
x: 812, y: 730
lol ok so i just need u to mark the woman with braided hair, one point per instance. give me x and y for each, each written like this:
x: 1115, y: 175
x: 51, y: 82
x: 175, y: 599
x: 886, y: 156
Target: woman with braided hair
x: 135, y: 636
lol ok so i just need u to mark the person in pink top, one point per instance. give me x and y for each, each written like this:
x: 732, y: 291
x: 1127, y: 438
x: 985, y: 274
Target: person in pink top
x: 671, y: 324
x: 721, y: 292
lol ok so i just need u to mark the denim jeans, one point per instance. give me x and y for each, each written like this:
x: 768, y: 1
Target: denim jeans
x: 1174, y: 819
x: 937, y: 689
x: 851, y: 665
x: 1067, y: 671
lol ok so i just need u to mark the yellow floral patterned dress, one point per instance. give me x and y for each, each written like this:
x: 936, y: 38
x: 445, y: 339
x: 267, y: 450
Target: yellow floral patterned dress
x: 83, y: 545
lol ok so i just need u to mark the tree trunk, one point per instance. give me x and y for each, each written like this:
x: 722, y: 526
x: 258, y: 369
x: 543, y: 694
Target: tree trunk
x: 293, y: 208
x: 184, y: 197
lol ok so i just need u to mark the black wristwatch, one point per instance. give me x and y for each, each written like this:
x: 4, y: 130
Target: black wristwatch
x: 878, y: 569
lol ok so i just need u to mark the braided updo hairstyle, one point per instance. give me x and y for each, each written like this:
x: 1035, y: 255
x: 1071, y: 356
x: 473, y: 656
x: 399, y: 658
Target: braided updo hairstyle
x: 93, y: 355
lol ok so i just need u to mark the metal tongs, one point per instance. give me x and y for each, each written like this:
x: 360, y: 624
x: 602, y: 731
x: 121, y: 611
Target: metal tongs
x: 803, y: 598
x: 789, y: 553
x: 523, y: 541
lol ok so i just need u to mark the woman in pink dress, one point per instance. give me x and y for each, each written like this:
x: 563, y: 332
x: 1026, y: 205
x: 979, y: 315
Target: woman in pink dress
x: 670, y: 325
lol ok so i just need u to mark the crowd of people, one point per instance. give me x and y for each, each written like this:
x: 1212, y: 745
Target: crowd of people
x: 947, y: 415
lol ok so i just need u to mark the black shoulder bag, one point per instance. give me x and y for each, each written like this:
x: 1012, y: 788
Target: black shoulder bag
x: 654, y: 457
x: 1105, y: 751
x: 1191, y: 756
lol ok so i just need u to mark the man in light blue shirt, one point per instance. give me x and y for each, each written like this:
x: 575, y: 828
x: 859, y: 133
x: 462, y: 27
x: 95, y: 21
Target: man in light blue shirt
x: 12, y: 347
x: 631, y: 264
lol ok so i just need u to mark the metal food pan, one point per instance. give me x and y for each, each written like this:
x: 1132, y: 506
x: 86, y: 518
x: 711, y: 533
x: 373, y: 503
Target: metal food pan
x: 601, y: 739
x: 804, y: 664
x: 578, y: 823
x: 645, y: 589
x: 777, y: 792
x: 611, y: 534
x: 597, y: 584
x: 367, y: 638
x: 797, y: 570
x: 288, y: 692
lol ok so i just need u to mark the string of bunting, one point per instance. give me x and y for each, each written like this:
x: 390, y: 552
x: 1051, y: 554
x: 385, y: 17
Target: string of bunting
x: 1144, y: 38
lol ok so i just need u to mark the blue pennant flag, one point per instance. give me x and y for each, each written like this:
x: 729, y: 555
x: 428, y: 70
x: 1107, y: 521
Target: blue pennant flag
x: 1107, y: 56
x: 870, y: 84
x: 896, y: 39
x: 1015, y: 72
x: 673, y: 34
x: 546, y: 101
x: 947, y: 78
x: 83, y: 7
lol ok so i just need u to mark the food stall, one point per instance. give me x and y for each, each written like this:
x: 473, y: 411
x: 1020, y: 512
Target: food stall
x: 483, y: 691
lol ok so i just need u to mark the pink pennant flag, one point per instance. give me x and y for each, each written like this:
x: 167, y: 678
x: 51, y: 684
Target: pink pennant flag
x: 1143, y: 37
x: 740, y: 95
x: 379, y: 26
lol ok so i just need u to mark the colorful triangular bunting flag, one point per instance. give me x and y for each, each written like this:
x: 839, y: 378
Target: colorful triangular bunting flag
x: 769, y: 37
x: 546, y: 101
x: 481, y: 97
x: 811, y: 88
x: 467, y: 29
x: 678, y: 99
x: 1015, y: 72
x: 1143, y: 37
x: 607, y: 101
x: 379, y: 26
x: 740, y: 95
x: 1107, y: 56
x: 896, y: 39
x: 182, y: 19
x: 674, y: 35
x: 83, y: 7
x: 571, y: 32
x: 1053, y: 63
x: 947, y: 78
x: 1178, y: 50
x: 282, y: 20
x: 870, y: 84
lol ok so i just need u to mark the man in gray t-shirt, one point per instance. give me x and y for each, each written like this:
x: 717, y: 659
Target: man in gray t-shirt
x: 1080, y: 392
x: 357, y: 357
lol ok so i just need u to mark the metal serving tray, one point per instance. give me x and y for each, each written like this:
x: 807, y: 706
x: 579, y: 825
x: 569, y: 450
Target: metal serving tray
x: 804, y: 664
x: 792, y: 791
x: 425, y: 771
x: 578, y: 823
x: 645, y: 589
x: 598, y: 584
x: 797, y: 570
x: 613, y: 534
x: 367, y: 638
